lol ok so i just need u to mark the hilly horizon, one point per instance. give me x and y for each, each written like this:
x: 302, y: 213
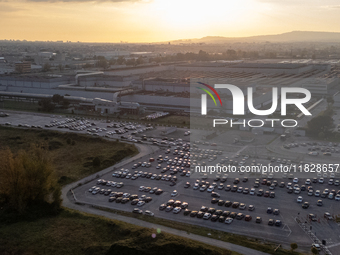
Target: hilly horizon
x: 293, y: 36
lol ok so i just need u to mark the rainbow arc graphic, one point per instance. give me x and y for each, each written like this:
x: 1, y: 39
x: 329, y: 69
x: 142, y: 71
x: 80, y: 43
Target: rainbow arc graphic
x: 204, y: 97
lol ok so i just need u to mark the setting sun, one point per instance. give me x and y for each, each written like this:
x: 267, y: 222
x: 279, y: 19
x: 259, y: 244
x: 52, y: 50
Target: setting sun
x: 160, y: 20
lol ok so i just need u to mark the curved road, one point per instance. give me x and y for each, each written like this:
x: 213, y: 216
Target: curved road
x: 69, y: 202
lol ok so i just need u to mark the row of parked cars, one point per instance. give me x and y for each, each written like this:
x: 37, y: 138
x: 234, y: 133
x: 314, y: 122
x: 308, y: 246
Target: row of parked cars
x: 214, y: 215
x: 206, y: 186
x: 71, y: 124
x: 99, y: 190
x: 150, y: 190
x: 326, y: 193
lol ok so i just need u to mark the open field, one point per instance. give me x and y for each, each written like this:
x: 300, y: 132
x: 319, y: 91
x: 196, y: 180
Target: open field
x: 19, y: 105
x: 76, y: 233
x: 72, y: 162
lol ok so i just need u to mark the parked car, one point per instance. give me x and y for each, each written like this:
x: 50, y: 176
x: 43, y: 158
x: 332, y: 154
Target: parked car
x: 228, y: 220
x: 137, y: 210
x: 305, y: 205
x: 149, y: 213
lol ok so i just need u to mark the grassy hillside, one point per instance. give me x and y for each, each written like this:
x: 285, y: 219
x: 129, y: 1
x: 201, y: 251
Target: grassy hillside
x: 72, y: 154
x: 76, y: 233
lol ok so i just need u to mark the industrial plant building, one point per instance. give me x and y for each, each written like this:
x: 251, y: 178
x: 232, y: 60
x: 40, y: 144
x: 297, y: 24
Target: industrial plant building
x: 172, y: 88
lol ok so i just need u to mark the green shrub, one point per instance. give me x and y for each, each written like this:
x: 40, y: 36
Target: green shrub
x: 96, y: 162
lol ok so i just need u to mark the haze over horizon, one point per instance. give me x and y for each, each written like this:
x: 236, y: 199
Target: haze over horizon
x: 161, y: 20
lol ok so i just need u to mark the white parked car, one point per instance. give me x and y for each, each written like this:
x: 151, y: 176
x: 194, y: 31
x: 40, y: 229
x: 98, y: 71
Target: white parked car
x: 228, y: 220
x: 296, y: 180
x: 299, y: 199
x: 317, y: 193
x: 174, y: 193
x: 210, y: 189
x: 147, y: 212
x: 252, y: 191
x: 141, y: 188
x: 177, y: 210
x: 126, y: 195
x: 207, y: 216
x: 141, y: 203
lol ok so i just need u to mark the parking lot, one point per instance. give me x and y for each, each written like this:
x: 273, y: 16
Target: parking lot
x: 288, y: 231
x: 171, y: 169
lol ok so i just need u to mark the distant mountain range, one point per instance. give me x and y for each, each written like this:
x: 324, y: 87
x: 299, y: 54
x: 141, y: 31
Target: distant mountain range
x: 294, y: 36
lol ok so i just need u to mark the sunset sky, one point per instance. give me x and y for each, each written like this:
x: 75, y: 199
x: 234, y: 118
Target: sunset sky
x: 161, y: 20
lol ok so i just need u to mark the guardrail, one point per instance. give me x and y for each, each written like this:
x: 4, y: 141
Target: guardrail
x: 312, y: 236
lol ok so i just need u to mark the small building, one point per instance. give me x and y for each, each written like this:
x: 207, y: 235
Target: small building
x: 23, y: 67
x: 111, y: 107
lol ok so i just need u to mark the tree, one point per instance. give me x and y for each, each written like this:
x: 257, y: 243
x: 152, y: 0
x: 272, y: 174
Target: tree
x: 66, y: 103
x: 321, y: 123
x: 203, y: 56
x: 112, y: 61
x: 46, y: 105
x: 321, y: 135
x: 102, y: 63
x: 231, y: 54
x: 329, y: 111
x: 46, y: 67
x: 60, y: 67
x: 131, y: 62
x: 293, y: 246
x: 87, y: 65
x: 330, y: 100
x: 139, y: 60
x: 314, y: 250
x: 28, y: 178
x: 57, y: 98
x: 121, y: 60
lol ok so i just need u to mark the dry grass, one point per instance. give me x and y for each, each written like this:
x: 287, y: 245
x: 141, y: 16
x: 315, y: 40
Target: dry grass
x: 77, y: 233
x: 72, y: 162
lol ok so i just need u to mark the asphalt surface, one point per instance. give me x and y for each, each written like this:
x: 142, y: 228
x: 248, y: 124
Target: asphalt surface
x: 289, y: 232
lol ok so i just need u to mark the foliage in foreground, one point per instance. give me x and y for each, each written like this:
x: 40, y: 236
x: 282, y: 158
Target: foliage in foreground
x: 27, y: 179
x: 76, y: 233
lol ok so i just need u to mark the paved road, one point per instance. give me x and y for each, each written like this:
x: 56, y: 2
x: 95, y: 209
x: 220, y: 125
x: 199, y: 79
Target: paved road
x: 145, y: 150
x: 207, y: 240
